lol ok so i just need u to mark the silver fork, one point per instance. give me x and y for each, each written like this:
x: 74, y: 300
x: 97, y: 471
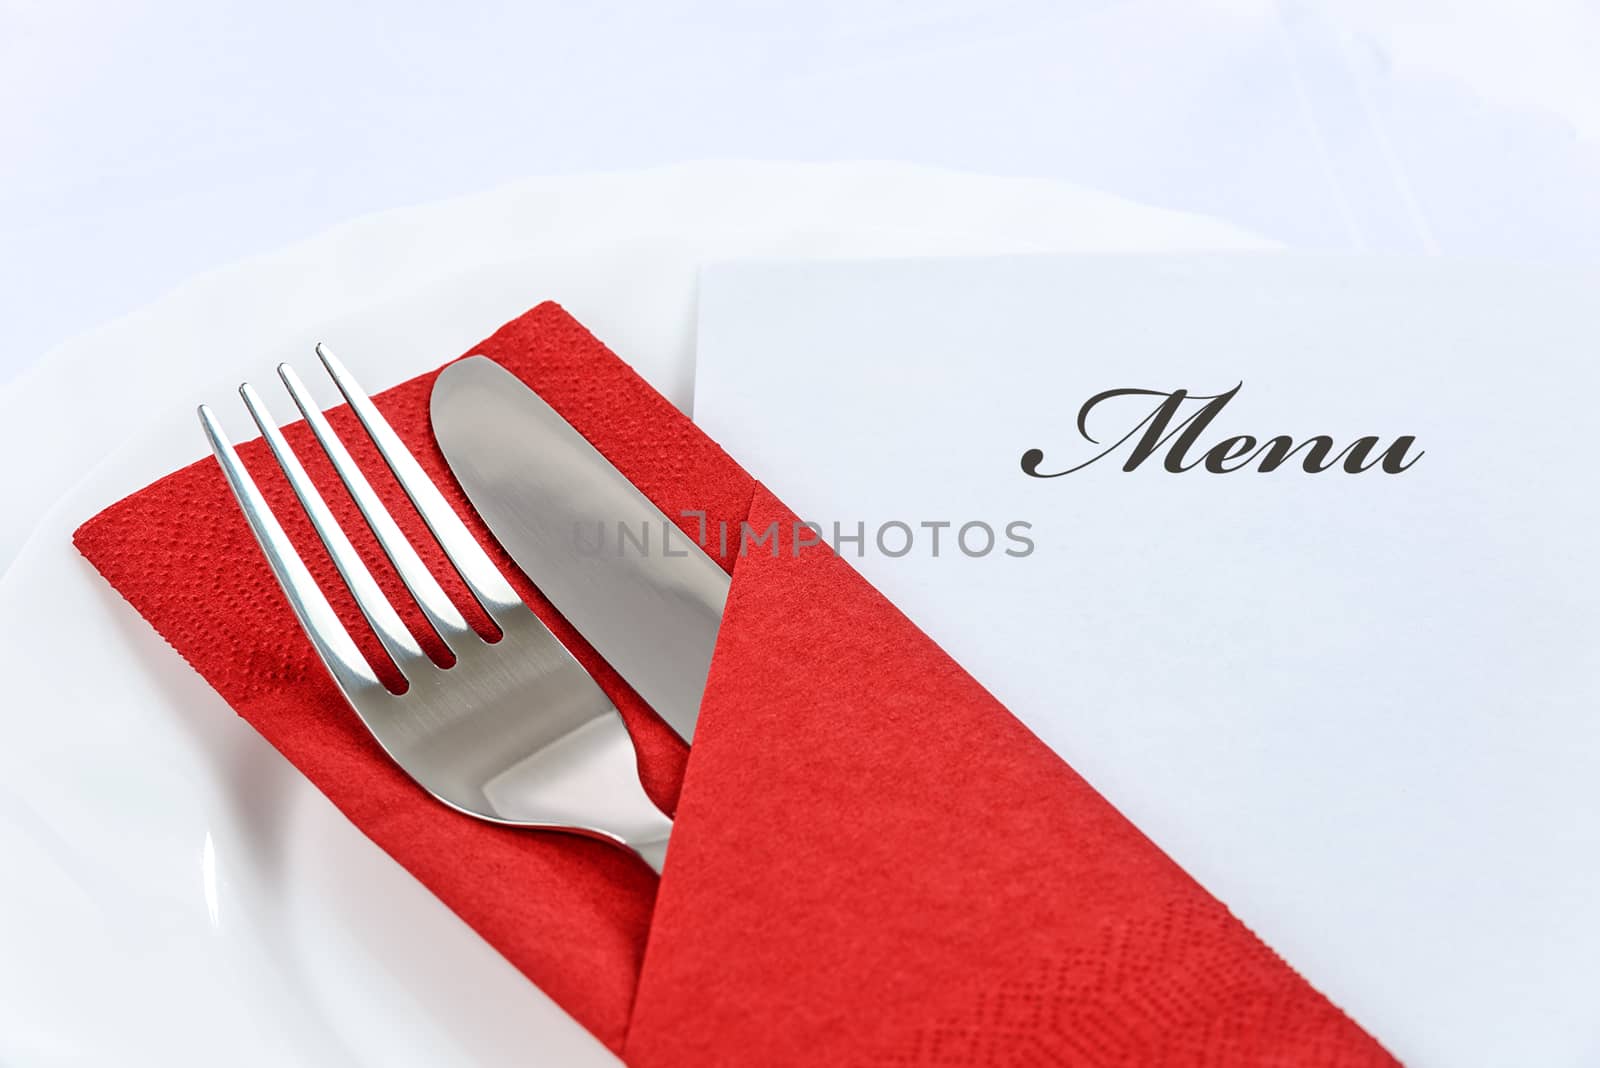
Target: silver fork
x: 515, y: 731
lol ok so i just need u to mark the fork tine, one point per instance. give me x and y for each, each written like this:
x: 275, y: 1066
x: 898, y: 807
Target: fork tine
x: 485, y: 581
x: 397, y: 640
x: 332, y: 642
x: 442, y: 614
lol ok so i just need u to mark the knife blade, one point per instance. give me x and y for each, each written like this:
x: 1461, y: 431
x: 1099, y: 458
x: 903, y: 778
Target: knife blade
x: 635, y: 586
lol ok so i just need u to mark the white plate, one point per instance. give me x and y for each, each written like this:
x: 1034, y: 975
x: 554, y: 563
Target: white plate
x: 175, y: 892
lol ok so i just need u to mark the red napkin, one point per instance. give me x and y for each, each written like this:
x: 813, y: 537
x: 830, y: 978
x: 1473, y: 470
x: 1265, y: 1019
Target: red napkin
x: 873, y: 862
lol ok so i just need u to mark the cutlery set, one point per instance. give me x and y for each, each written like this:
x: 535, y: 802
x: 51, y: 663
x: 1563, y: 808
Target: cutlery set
x: 514, y: 731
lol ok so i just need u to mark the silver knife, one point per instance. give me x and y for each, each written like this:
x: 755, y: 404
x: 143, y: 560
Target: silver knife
x: 635, y: 586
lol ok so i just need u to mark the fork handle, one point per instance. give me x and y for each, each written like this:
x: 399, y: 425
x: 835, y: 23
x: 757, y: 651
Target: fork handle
x: 647, y: 833
x: 653, y: 853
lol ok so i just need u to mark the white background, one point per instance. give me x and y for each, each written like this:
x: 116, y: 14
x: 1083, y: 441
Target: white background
x: 143, y: 143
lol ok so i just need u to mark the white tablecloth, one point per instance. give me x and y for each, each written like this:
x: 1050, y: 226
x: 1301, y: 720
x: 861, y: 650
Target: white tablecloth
x: 143, y: 144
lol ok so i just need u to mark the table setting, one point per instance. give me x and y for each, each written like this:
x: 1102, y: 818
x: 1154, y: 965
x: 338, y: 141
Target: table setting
x: 588, y: 604
x: 856, y: 816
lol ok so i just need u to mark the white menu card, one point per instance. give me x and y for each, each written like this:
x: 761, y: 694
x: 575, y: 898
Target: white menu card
x: 1295, y: 559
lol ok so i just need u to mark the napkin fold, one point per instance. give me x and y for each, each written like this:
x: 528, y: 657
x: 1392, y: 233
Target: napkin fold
x: 873, y: 862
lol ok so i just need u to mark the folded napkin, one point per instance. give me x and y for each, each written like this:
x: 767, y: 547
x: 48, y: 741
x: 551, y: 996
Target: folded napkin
x: 873, y: 862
